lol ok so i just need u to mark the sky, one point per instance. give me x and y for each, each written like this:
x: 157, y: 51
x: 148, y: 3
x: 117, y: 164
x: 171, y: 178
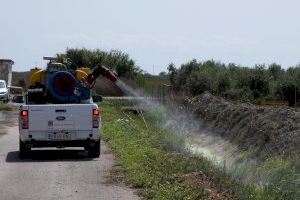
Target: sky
x: 153, y: 32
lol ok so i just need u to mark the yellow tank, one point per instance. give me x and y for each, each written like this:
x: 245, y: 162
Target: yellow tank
x: 86, y: 70
x: 36, y: 76
x: 33, y: 70
x: 82, y: 73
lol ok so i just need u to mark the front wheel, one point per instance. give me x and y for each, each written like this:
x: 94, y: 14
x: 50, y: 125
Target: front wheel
x: 94, y: 149
x: 24, y: 150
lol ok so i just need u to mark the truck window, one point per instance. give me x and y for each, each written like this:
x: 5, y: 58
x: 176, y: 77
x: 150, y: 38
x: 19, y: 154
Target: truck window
x: 2, y: 85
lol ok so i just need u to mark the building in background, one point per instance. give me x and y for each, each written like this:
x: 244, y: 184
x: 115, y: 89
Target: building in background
x: 6, y: 70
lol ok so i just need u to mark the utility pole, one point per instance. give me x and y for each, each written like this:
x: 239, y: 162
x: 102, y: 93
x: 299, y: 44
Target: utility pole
x: 295, y: 95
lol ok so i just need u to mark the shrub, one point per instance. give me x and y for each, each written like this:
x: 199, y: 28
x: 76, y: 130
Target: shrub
x: 117, y: 60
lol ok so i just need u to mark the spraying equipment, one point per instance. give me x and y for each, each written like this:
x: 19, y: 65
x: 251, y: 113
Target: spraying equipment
x: 59, y: 111
x: 61, y: 84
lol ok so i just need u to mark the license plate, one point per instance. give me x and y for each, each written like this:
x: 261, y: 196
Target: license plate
x: 59, y: 136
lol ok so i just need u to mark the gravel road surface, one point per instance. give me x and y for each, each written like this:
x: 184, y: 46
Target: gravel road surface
x: 53, y: 174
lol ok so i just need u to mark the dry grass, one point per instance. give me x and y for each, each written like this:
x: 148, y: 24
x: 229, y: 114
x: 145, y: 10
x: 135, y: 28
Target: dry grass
x: 5, y: 107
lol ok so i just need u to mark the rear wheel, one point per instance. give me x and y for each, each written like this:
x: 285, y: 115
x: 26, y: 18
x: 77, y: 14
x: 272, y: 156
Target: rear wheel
x: 94, y: 149
x: 24, y: 150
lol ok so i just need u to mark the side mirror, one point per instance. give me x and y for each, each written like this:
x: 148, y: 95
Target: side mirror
x: 18, y: 99
x: 97, y: 98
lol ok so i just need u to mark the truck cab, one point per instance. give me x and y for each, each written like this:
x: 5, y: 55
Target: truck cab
x: 4, y: 93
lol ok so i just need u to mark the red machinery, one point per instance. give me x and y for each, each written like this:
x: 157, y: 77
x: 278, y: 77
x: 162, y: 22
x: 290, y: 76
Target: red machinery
x: 101, y: 70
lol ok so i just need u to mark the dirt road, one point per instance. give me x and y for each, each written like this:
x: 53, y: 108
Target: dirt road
x: 53, y: 174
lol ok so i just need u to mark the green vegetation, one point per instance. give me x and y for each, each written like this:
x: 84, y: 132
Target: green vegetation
x: 150, y: 84
x: 117, y: 60
x: 156, y: 173
x: 156, y: 163
x: 236, y: 82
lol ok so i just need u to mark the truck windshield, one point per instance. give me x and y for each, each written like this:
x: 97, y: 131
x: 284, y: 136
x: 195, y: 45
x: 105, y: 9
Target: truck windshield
x: 2, y: 85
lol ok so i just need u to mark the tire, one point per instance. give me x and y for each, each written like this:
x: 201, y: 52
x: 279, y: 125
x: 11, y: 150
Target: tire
x: 94, y: 151
x: 24, y: 150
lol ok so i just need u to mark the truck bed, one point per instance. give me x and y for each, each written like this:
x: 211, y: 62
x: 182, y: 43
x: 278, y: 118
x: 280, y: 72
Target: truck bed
x: 59, y: 123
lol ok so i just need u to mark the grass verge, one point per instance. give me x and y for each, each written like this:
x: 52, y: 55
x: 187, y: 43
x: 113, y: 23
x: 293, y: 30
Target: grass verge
x: 154, y: 163
x: 150, y: 161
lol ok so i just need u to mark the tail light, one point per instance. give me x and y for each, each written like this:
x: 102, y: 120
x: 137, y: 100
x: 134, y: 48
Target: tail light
x: 24, y: 114
x: 96, y: 113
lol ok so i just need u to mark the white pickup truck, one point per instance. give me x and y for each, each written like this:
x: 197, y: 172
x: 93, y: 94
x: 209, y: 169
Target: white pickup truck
x: 59, y: 109
x: 59, y: 125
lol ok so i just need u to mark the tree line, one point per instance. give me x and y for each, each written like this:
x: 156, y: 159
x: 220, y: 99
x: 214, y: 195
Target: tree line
x: 232, y: 81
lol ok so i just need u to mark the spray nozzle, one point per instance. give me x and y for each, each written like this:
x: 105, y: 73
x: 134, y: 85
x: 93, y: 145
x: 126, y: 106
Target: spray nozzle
x: 101, y: 70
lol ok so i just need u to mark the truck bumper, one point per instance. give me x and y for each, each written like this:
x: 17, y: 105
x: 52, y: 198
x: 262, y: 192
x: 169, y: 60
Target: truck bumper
x: 71, y: 143
x: 43, y: 136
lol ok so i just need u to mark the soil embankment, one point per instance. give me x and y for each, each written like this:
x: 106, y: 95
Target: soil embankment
x: 264, y: 131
